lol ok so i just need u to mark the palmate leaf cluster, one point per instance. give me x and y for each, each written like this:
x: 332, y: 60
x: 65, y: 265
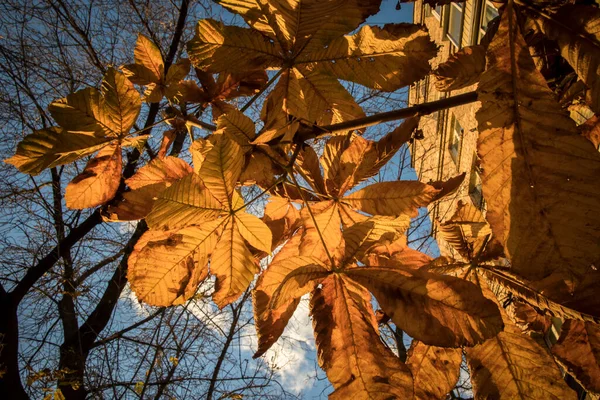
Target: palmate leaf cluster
x: 339, y: 243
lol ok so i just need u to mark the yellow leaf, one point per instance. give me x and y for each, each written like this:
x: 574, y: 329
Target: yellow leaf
x: 578, y: 349
x: 285, y: 101
x: 270, y: 323
x: 149, y: 66
x: 364, y: 235
x: 169, y: 265
x: 323, y: 235
x: 245, y: 83
x: 221, y: 168
x: 146, y: 184
x: 513, y: 365
x: 215, y: 46
x: 121, y: 103
x: 435, y: 309
x: 303, y: 273
x: 350, y: 217
x: 307, y: 163
x: 79, y: 113
x: 395, y: 254
x: 159, y: 171
x: 282, y: 218
x: 237, y: 127
x: 199, y: 149
x: 232, y: 264
x: 256, y: 232
x: 357, y: 363
x: 462, y: 69
x: 330, y: 161
x: 185, y: 202
x: 47, y: 148
x: 466, y: 231
x: 435, y: 370
x: 259, y: 170
x: 385, y: 58
x: 110, y: 112
x: 303, y: 25
x: 99, y: 181
x: 327, y: 101
x: 362, y: 159
x: 541, y: 179
x: 178, y: 71
x: 392, y: 198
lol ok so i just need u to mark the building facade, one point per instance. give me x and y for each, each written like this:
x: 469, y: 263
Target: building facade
x: 449, y: 143
x: 450, y: 136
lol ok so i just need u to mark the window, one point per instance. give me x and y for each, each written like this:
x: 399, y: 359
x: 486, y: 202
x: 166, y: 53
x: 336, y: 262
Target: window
x: 455, y: 22
x: 487, y: 13
x: 455, y: 140
x: 475, y: 190
x: 437, y: 12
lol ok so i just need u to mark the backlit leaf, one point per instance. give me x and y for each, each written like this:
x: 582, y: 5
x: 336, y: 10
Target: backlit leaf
x: 462, y: 69
x: 222, y: 167
x: 233, y: 265
x: 215, y: 46
x: 392, y: 198
x: 357, y: 363
x: 578, y: 349
x: 47, y: 148
x: 184, y: 203
x: 541, y: 179
x: 513, y: 365
x: 169, y: 265
x: 270, y: 322
x: 303, y: 274
x: 380, y: 58
x: 255, y: 231
x: 436, y: 309
x: 435, y: 370
x: 99, y: 181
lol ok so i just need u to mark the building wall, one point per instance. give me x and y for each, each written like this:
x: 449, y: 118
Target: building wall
x: 432, y: 157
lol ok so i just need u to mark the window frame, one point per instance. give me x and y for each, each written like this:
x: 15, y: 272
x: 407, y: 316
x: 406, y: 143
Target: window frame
x: 461, y: 8
x: 479, y: 31
x: 456, y: 139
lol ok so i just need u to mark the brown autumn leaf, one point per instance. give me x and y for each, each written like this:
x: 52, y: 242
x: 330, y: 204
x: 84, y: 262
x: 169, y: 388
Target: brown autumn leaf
x: 577, y: 32
x: 436, y: 309
x: 233, y: 264
x: 559, y: 304
x: 307, y: 42
x: 467, y: 232
x: 529, y: 149
x: 149, y: 70
x: 512, y: 365
x: 146, y: 184
x: 210, y: 195
x: 462, y: 69
x: 48, y: 148
x: 99, y: 181
x: 270, y: 323
x: 91, y: 120
x: 578, y: 350
x: 528, y: 319
x: 282, y: 218
x: 435, y: 370
x: 590, y: 129
x: 344, y: 321
x: 167, y: 267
